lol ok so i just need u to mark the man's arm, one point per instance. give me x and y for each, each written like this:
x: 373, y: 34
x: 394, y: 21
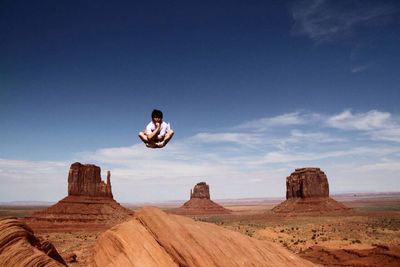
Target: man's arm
x: 153, y: 133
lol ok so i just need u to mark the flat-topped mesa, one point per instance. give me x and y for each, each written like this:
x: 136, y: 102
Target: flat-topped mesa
x: 307, y: 190
x: 200, y: 190
x: 85, y: 180
x: 306, y: 183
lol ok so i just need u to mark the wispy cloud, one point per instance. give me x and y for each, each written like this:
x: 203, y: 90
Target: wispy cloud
x: 298, y: 136
x: 360, y: 68
x: 371, y: 120
x: 12, y: 170
x: 376, y: 124
x: 287, y: 119
x: 259, y: 153
x: 326, y: 21
x: 32, y: 180
x: 295, y: 156
x: 238, y: 138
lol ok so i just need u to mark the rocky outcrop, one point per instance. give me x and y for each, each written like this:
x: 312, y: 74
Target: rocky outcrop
x: 200, y: 190
x: 377, y: 256
x: 20, y: 247
x: 85, y: 180
x: 89, y: 201
x: 154, y: 238
x: 200, y: 203
x: 307, y: 190
x: 307, y: 182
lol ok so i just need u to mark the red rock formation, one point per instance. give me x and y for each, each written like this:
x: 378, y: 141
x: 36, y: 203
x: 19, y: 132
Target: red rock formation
x: 89, y: 201
x: 200, y: 203
x: 200, y: 190
x: 378, y: 256
x: 20, y: 247
x: 307, y: 182
x: 307, y: 190
x: 154, y: 238
x: 85, y: 180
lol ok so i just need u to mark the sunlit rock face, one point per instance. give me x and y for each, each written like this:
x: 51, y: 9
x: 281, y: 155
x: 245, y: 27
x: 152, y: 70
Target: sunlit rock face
x: 20, y: 247
x: 89, y: 201
x: 155, y: 238
x: 307, y: 182
x: 307, y: 191
x: 200, y: 190
x: 85, y: 180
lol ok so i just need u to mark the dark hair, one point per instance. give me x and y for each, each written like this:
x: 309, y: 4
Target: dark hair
x: 156, y: 114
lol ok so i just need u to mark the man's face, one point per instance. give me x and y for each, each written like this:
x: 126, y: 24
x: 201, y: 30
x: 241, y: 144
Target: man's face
x: 156, y: 120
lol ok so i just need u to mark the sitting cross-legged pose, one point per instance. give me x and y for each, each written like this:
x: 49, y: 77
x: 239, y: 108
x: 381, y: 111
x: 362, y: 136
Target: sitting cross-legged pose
x: 157, y: 133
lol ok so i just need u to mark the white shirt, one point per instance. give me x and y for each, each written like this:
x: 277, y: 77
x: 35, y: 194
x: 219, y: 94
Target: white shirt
x: 163, y: 128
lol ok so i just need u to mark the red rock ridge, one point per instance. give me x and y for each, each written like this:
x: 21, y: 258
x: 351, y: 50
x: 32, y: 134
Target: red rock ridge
x: 20, y: 247
x: 154, y: 238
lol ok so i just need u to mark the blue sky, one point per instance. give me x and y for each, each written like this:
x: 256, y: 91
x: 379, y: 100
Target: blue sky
x: 253, y: 90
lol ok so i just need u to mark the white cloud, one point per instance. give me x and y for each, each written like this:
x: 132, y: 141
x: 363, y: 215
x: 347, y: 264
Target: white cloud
x: 390, y: 134
x: 376, y: 124
x: 11, y: 170
x: 32, y: 180
x: 288, y: 119
x: 361, y: 121
x: 385, y: 165
x: 360, y: 68
x: 228, y: 160
x: 298, y: 136
x: 326, y: 21
x: 285, y: 157
x: 239, y: 138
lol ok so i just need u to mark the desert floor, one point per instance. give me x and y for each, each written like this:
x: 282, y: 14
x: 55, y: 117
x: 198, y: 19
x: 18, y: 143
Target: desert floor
x: 369, y: 235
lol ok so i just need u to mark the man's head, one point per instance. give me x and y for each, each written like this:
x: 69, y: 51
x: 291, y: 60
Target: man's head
x: 157, y: 116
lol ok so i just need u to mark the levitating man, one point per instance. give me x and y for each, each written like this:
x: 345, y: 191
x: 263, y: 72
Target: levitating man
x: 157, y: 133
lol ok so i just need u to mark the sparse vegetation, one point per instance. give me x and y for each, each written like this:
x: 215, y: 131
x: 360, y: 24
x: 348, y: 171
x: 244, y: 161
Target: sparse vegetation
x: 301, y: 232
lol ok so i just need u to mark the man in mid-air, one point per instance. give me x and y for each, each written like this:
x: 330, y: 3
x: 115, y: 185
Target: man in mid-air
x: 157, y: 133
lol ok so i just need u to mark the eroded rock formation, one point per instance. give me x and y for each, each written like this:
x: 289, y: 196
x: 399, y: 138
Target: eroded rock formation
x: 89, y: 201
x: 20, y: 247
x: 85, y: 180
x: 200, y: 203
x: 307, y: 190
x: 307, y: 182
x: 200, y: 190
x: 154, y: 238
x: 377, y: 256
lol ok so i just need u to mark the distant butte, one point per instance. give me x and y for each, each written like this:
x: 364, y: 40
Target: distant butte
x: 200, y: 203
x: 89, y: 201
x: 307, y: 190
x: 85, y: 180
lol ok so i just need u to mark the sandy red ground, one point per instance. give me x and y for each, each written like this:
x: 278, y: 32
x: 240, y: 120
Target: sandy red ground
x: 367, y: 236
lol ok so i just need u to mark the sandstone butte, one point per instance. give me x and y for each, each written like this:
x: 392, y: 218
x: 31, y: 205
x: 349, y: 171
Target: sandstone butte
x: 307, y: 191
x: 89, y: 201
x: 155, y: 238
x: 200, y: 203
x: 20, y: 247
